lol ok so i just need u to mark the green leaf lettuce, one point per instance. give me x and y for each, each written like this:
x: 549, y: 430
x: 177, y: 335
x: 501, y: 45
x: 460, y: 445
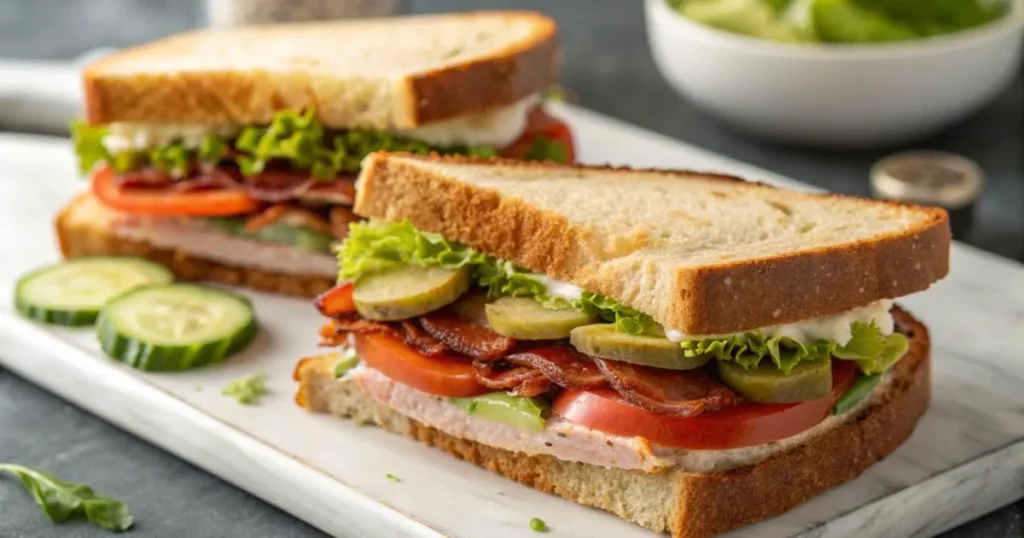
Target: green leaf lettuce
x: 61, y: 500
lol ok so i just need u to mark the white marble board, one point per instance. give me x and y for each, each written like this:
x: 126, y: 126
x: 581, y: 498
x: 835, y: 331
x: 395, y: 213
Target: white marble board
x: 966, y: 457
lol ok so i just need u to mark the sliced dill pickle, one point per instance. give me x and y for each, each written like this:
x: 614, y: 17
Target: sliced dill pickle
x: 408, y: 292
x: 471, y: 307
x: 604, y: 341
x: 767, y: 384
x: 526, y: 319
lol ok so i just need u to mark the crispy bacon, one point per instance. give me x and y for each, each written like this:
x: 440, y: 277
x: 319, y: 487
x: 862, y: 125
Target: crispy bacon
x: 275, y: 185
x: 289, y: 214
x: 464, y: 336
x: 426, y: 343
x: 683, y: 393
x: 563, y: 365
x: 340, y: 217
x: 520, y: 380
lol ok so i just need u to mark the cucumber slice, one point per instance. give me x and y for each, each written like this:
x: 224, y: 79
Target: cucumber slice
x: 861, y: 388
x: 604, y: 341
x: 516, y: 411
x: 175, y: 327
x: 72, y: 292
x: 408, y: 292
x: 526, y: 319
x: 471, y: 306
x: 808, y: 380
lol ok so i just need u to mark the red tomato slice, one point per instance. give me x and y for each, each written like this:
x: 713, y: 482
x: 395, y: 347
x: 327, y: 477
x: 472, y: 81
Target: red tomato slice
x: 210, y: 203
x: 337, y: 300
x: 747, y: 424
x: 444, y: 375
x: 541, y: 124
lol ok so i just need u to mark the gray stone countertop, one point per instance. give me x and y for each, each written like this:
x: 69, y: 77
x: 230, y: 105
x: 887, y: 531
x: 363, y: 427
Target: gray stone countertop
x: 607, y: 65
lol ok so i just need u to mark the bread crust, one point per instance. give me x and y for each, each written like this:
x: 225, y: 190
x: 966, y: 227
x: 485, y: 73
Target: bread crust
x: 702, y: 300
x: 78, y: 239
x: 687, y: 505
x: 227, y: 96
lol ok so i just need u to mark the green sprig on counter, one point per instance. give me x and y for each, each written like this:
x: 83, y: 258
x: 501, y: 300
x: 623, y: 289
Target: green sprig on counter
x: 247, y: 390
x: 62, y: 501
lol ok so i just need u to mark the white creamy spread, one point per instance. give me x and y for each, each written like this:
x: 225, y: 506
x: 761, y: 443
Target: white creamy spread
x: 198, y: 239
x: 834, y: 328
x: 557, y: 288
x: 497, y: 127
x: 572, y: 442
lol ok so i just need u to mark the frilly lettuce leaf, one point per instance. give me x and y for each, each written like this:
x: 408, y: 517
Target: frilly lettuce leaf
x: 873, y: 352
x: 88, y: 143
x: 374, y: 246
x: 297, y: 138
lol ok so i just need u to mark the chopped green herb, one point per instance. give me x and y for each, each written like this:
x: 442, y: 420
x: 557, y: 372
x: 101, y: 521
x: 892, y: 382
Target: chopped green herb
x: 348, y: 361
x: 247, y: 390
x: 62, y: 501
x: 392, y: 477
x: 538, y: 525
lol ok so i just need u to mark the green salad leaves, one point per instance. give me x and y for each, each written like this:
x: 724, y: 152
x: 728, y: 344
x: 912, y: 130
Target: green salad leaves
x: 842, y: 21
x: 62, y: 501
x: 247, y: 389
x: 375, y: 246
x: 296, y: 138
x: 869, y: 348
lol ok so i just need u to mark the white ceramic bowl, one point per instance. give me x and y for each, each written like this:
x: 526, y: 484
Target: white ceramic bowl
x: 836, y: 96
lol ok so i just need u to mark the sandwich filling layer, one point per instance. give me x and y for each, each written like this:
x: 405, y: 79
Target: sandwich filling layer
x: 289, y: 184
x: 431, y: 320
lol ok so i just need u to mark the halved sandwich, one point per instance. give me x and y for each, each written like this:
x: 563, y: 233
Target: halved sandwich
x: 230, y: 154
x: 691, y: 352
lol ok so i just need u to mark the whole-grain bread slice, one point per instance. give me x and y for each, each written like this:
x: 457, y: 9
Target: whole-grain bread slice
x: 80, y: 232
x: 701, y: 253
x: 392, y: 73
x: 685, y: 504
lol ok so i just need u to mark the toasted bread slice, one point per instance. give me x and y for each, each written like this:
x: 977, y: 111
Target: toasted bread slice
x: 392, y: 73
x: 703, y: 254
x: 685, y: 504
x: 84, y: 229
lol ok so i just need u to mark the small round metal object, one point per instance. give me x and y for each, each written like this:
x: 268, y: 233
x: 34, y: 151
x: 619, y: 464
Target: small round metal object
x: 932, y: 178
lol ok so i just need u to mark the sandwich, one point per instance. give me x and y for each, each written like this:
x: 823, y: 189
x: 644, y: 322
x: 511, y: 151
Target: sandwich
x: 230, y: 154
x: 690, y: 352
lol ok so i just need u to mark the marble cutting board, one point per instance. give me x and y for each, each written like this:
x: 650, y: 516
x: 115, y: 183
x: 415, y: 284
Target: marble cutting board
x: 966, y: 457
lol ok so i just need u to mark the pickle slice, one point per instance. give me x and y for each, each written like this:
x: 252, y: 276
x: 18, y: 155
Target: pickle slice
x: 526, y: 319
x: 471, y: 307
x: 767, y: 384
x: 408, y: 292
x: 604, y: 341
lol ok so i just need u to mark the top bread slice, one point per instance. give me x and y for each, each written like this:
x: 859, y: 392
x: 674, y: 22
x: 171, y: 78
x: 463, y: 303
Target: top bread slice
x: 701, y: 253
x: 391, y: 73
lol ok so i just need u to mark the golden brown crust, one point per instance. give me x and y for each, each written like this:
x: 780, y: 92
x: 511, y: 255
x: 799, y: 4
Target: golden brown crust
x: 845, y: 277
x: 77, y: 239
x: 688, y: 505
x: 222, y: 95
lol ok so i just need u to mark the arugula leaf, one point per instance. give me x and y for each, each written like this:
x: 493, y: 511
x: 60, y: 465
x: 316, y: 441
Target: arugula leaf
x: 61, y: 500
x: 247, y: 390
x: 375, y: 246
x: 873, y: 352
x: 88, y: 143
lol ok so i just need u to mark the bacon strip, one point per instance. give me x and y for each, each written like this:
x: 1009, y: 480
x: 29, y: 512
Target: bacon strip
x: 521, y: 380
x: 563, y: 365
x: 683, y: 393
x: 416, y: 337
x: 274, y: 185
x: 464, y: 336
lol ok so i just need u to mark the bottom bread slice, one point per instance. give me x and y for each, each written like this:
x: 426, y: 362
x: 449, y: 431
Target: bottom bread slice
x: 685, y: 504
x: 82, y: 230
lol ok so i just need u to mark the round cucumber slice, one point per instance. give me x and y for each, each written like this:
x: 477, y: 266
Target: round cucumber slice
x: 604, y: 341
x: 72, y: 292
x: 767, y: 384
x: 526, y: 319
x: 472, y: 306
x: 408, y: 292
x: 175, y: 327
